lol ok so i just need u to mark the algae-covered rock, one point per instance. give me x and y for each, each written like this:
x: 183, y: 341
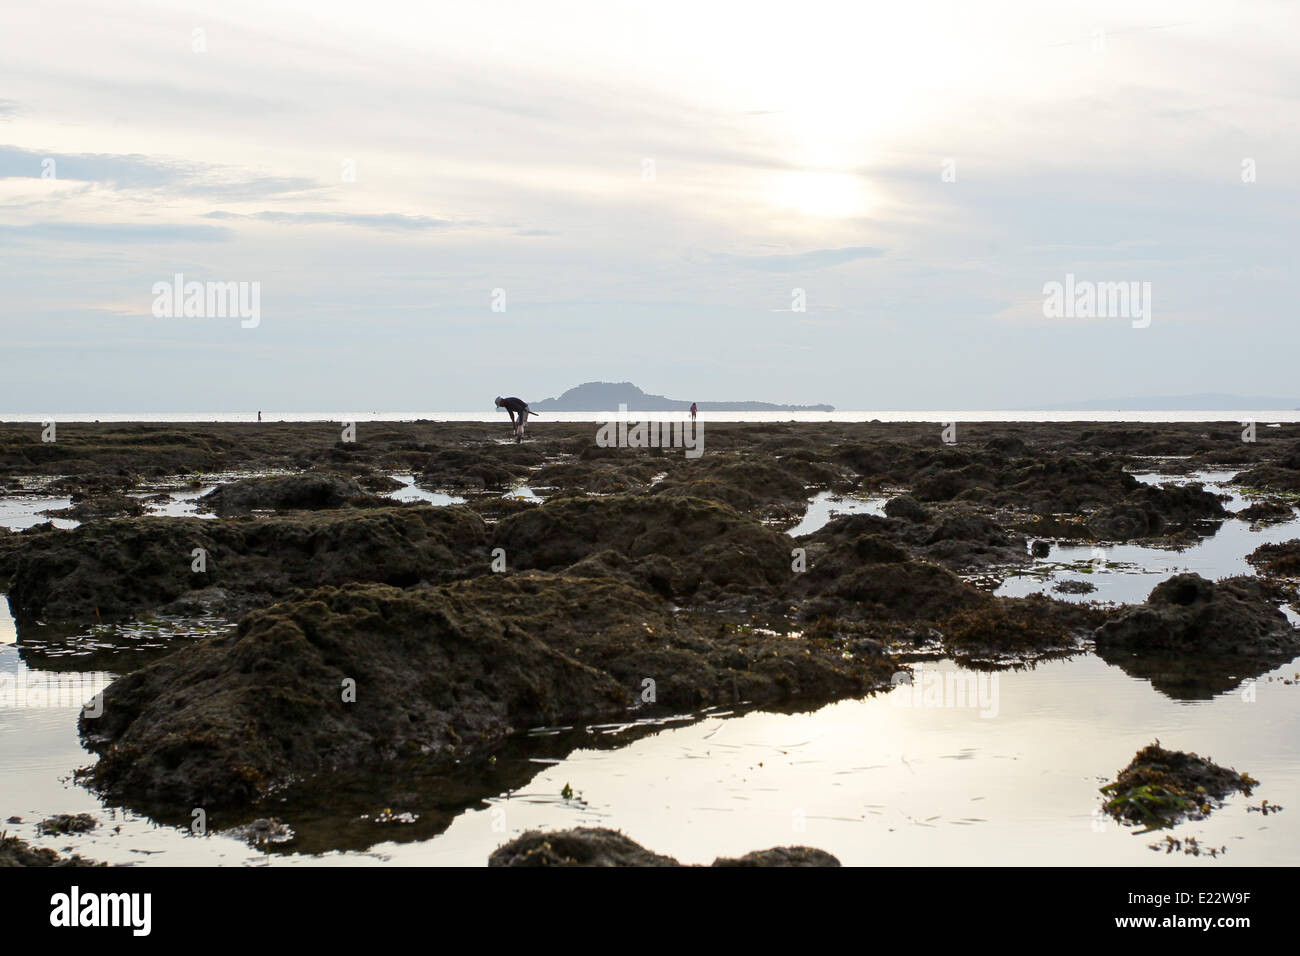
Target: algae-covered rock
x: 364, y: 675
x: 15, y: 852
x: 92, y: 507
x: 1018, y: 628
x: 754, y: 485
x: 598, y: 846
x: 312, y: 491
x: 62, y: 823
x: 1154, y: 510
x: 1282, y: 475
x: 907, y: 508
x: 681, y: 547
x: 1160, y: 788
x: 1281, y: 559
x: 1235, y: 617
x: 1267, y: 512
x: 114, y: 570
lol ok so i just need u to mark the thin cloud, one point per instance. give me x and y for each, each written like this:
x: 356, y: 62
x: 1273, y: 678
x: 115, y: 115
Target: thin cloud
x: 134, y: 171
x: 802, y: 261
x: 387, y: 221
x: 109, y: 232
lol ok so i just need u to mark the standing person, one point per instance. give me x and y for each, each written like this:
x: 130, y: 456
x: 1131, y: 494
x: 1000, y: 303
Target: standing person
x: 693, y: 410
x: 519, y: 412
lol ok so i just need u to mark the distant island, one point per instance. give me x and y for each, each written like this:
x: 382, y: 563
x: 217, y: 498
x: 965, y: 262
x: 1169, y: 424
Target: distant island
x: 608, y: 396
x: 1204, y: 402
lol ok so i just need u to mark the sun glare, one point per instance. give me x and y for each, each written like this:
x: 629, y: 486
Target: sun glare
x: 821, y: 194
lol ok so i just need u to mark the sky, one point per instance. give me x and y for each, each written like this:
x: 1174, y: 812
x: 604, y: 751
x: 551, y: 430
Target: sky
x: 856, y: 203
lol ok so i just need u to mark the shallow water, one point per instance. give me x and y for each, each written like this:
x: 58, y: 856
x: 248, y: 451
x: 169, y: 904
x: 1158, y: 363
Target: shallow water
x: 523, y: 493
x: 180, y: 504
x: 413, y: 492
x: 998, y: 768
x: 25, y: 514
x: 825, y: 505
x: 22, y: 511
x: 1126, y: 573
x: 19, y: 511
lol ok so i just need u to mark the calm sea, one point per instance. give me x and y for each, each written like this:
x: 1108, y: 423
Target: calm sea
x: 492, y: 415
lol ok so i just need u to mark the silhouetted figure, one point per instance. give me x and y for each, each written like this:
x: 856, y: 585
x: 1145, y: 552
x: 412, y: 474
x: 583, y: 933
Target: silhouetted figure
x: 519, y: 412
x: 693, y: 411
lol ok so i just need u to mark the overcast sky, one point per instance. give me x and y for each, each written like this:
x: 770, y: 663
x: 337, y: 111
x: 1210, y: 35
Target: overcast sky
x: 649, y: 183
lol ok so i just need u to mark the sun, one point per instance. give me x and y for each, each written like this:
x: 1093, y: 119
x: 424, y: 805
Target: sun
x: 820, y: 194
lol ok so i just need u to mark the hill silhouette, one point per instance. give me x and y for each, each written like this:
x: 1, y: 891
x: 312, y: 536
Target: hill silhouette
x: 608, y: 396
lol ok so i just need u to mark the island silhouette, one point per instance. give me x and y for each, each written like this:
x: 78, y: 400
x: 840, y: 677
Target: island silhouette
x: 608, y: 396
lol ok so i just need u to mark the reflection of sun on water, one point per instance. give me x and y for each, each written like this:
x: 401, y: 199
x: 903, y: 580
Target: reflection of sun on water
x: 825, y: 195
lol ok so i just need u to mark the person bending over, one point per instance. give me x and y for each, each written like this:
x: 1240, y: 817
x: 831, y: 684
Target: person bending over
x: 519, y: 412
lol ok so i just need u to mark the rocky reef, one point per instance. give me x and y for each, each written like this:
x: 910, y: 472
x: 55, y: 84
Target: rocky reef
x: 114, y: 570
x: 632, y: 581
x: 597, y: 846
x: 363, y: 675
x: 15, y: 852
x: 1233, y: 618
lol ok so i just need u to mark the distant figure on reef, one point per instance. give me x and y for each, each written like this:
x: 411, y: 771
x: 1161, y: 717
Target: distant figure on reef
x: 259, y: 416
x: 693, y: 411
x: 519, y: 412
